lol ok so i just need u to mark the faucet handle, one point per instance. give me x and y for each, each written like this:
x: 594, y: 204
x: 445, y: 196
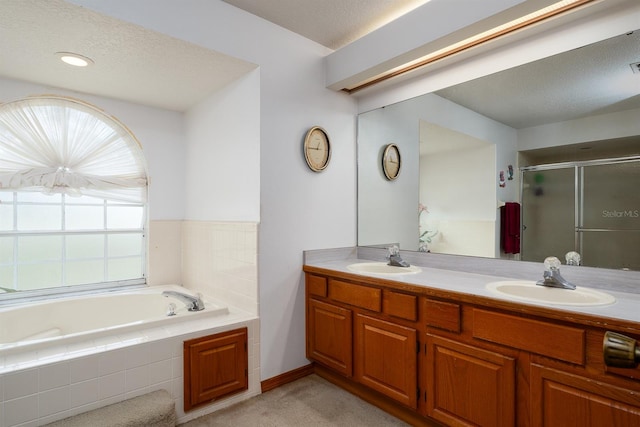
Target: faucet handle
x: 573, y: 258
x: 394, y: 250
x: 552, y: 263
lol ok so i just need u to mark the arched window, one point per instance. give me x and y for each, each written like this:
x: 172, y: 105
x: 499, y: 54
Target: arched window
x: 73, y: 195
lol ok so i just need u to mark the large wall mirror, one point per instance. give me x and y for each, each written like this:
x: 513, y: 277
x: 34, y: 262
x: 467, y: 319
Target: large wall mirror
x: 557, y: 138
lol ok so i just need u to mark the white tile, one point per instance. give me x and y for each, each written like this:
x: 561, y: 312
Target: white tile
x: 20, y: 410
x: 2, y: 424
x: 53, y: 376
x: 111, y: 385
x: 21, y: 383
x: 84, y: 368
x: 136, y: 378
x: 1, y: 390
x: 136, y: 355
x: 160, y: 371
x: 83, y: 393
x: 177, y: 367
x: 53, y: 401
x: 111, y: 362
x: 160, y: 350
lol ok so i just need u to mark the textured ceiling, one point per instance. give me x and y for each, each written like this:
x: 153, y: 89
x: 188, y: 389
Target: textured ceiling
x: 131, y: 63
x: 595, y: 79
x: 138, y: 65
x: 331, y: 23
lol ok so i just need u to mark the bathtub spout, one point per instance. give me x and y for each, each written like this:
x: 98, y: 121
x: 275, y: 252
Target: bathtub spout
x: 193, y: 303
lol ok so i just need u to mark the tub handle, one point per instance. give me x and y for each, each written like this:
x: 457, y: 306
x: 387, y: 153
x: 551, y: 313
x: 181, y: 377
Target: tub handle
x: 171, y: 309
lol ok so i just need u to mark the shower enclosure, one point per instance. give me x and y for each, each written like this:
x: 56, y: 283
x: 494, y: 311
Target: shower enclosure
x: 590, y: 207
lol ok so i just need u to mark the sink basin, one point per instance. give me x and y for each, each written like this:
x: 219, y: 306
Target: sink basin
x: 382, y: 268
x: 527, y: 290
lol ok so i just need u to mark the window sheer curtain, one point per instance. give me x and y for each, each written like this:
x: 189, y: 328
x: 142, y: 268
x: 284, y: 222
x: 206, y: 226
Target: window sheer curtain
x: 55, y: 144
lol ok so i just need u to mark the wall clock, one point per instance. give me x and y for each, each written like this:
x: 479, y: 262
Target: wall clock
x: 317, y: 149
x: 391, y: 161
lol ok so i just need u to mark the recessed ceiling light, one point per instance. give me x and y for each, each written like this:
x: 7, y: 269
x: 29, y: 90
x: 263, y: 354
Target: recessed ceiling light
x: 74, y: 59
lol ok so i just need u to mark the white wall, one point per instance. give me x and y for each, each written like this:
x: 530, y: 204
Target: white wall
x: 388, y: 211
x: 223, y: 154
x: 299, y: 209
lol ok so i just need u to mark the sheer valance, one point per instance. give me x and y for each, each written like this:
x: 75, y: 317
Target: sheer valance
x: 60, y: 145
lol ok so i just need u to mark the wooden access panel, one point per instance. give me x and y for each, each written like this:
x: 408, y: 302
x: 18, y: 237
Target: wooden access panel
x: 215, y: 366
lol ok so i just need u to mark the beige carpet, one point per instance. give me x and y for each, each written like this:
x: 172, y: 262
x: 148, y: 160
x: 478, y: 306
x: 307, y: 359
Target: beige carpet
x: 310, y: 401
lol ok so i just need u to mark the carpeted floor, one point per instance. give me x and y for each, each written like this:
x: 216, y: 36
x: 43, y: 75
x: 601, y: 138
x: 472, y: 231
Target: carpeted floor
x: 310, y: 401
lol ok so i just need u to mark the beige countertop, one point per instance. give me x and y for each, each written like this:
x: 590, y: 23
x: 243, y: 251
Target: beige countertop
x: 625, y: 308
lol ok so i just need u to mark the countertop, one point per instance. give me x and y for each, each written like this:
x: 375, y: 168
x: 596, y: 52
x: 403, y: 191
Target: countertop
x: 625, y: 308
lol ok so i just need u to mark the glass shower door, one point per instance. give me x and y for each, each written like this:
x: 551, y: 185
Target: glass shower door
x: 548, y: 213
x: 609, y: 220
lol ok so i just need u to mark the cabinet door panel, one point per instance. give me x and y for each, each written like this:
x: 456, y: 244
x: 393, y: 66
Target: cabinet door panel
x: 386, y: 359
x: 329, y: 336
x: 469, y: 386
x: 570, y: 400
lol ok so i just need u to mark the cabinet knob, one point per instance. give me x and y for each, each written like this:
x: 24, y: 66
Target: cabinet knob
x: 620, y: 351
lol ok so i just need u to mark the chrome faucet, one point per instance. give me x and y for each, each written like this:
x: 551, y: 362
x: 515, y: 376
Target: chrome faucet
x: 193, y: 303
x: 552, y: 276
x: 395, y: 259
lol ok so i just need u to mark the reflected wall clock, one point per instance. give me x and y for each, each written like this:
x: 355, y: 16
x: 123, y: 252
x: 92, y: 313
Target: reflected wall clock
x: 391, y: 161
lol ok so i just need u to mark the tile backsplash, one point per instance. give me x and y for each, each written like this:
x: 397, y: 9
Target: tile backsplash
x: 220, y: 259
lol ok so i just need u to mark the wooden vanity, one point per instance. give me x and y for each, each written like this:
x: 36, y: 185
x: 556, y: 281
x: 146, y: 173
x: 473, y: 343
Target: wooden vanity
x: 433, y: 356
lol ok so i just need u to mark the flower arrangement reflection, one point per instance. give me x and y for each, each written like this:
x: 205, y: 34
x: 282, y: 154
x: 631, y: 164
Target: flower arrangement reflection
x: 426, y: 236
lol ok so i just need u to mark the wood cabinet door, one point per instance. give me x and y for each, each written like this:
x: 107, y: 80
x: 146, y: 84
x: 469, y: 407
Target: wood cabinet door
x: 468, y: 386
x: 329, y: 336
x: 386, y: 358
x: 562, y: 399
x: 215, y: 366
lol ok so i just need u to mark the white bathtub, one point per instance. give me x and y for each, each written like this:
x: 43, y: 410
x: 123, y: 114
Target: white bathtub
x: 68, y: 320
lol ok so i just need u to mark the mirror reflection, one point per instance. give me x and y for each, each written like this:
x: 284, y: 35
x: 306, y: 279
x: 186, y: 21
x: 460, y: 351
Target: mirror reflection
x: 539, y: 160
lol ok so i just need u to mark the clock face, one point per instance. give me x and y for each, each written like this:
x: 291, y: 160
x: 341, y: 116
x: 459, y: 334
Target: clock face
x: 391, y: 161
x: 317, y: 149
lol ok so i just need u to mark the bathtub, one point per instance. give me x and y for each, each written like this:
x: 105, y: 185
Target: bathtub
x: 69, y: 320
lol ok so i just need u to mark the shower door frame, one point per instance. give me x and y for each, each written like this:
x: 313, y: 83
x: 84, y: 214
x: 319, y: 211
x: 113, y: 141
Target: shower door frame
x: 578, y: 167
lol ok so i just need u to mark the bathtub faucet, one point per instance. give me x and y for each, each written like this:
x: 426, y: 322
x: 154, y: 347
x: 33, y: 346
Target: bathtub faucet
x: 193, y: 303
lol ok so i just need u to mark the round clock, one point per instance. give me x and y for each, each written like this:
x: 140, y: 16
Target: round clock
x: 391, y: 161
x: 317, y: 149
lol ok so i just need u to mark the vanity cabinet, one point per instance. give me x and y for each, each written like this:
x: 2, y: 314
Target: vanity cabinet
x: 386, y: 358
x: 464, y: 360
x: 564, y: 399
x: 351, y: 330
x: 329, y: 332
x: 467, y: 385
x: 215, y: 366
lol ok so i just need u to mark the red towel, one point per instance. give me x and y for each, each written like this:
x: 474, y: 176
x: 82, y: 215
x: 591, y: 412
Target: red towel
x: 510, y: 227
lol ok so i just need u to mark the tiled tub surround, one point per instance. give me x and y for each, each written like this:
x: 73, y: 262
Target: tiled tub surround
x: 469, y: 275
x: 218, y: 259
x: 41, y: 386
